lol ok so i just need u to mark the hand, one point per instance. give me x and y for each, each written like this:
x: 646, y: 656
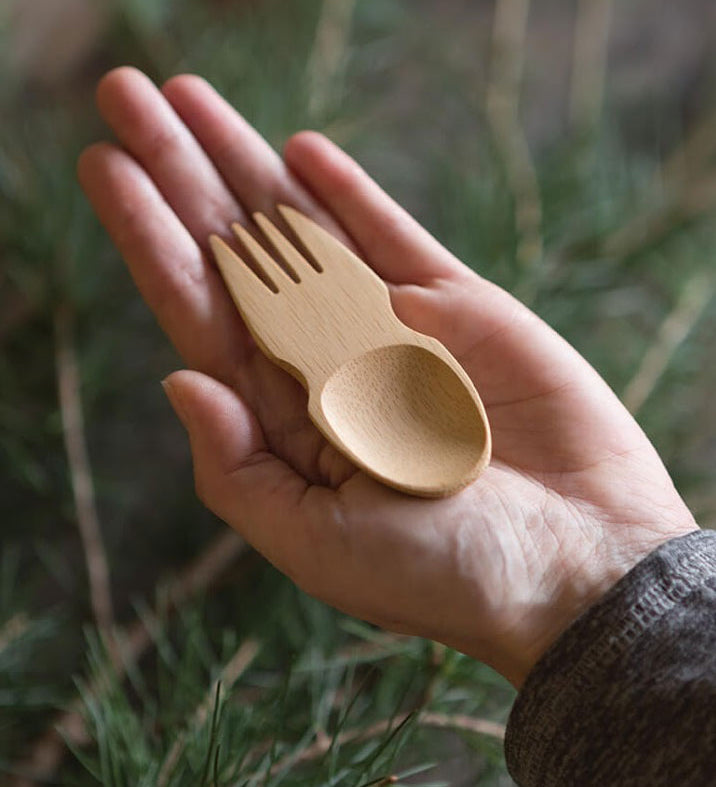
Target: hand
x: 575, y: 495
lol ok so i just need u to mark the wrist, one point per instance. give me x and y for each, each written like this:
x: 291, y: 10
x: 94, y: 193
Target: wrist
x: 581, y: 584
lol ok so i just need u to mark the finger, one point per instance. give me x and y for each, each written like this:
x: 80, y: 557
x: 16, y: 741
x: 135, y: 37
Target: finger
x: 149, y: 128
x: 399, y: 249
x: 252, y: 169
x: 186, y: 294
x: 242, y: 481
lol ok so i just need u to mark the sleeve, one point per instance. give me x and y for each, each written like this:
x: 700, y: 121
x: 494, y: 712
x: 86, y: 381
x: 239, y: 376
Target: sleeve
x: 627, y: 695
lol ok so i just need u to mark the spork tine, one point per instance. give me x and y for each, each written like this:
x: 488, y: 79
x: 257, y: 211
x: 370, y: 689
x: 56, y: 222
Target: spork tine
x: 392, y: 400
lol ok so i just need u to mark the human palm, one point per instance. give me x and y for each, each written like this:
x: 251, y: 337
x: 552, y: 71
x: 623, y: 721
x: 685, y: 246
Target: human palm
x: 575, y: 494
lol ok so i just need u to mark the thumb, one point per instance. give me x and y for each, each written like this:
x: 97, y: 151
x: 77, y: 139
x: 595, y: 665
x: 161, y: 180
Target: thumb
x: 223, y: 431
x: 236, y: 474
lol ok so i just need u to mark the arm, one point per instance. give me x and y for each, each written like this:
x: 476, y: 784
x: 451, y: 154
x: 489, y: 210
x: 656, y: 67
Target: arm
x: 627, y: 695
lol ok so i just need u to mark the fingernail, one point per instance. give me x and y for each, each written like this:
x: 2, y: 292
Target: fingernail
x: 176, y: 402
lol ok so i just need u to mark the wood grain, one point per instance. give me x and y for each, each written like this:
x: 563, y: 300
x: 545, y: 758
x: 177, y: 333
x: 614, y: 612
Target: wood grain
x: 394, y: 401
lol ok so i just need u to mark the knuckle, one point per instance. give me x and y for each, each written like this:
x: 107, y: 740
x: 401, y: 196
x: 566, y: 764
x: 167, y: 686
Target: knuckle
x: 163, y: 140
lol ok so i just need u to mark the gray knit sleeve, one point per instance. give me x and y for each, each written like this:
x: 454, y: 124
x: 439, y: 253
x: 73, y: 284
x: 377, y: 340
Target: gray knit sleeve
x: 627, y: 695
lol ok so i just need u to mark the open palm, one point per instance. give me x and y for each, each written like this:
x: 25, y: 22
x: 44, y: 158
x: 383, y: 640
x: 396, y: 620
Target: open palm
x: 575, y: 494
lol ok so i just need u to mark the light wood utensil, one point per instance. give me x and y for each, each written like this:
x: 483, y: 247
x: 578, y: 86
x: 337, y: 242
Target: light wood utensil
x: 392, y: 400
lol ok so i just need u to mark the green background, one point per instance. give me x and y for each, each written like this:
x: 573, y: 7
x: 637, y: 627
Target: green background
x: 574, y: 169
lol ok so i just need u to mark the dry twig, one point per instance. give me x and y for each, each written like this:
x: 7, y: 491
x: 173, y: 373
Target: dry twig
x: 68, y: 384
x: 694, y: 155
x: 328, y: 55
x: 687, y: 183
x: 694, y: 299
x: 503, y: 98
x: 321, y: 746
x: 591, y: 40
x: 684, y: 203
x: 12, y: 629
x: 47, y: 753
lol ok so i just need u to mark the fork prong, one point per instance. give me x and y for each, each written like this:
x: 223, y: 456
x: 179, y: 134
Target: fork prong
x: 291, y: 256
x: 261, y: 257
x: 323, y: 247
x: 240, y: 279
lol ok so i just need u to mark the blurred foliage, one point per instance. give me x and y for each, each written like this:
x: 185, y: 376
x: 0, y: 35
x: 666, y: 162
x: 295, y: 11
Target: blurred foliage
x: 407, y: 101
x: 324, y: 679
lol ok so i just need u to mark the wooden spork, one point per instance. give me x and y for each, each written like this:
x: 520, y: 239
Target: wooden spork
x: 394, y: 401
